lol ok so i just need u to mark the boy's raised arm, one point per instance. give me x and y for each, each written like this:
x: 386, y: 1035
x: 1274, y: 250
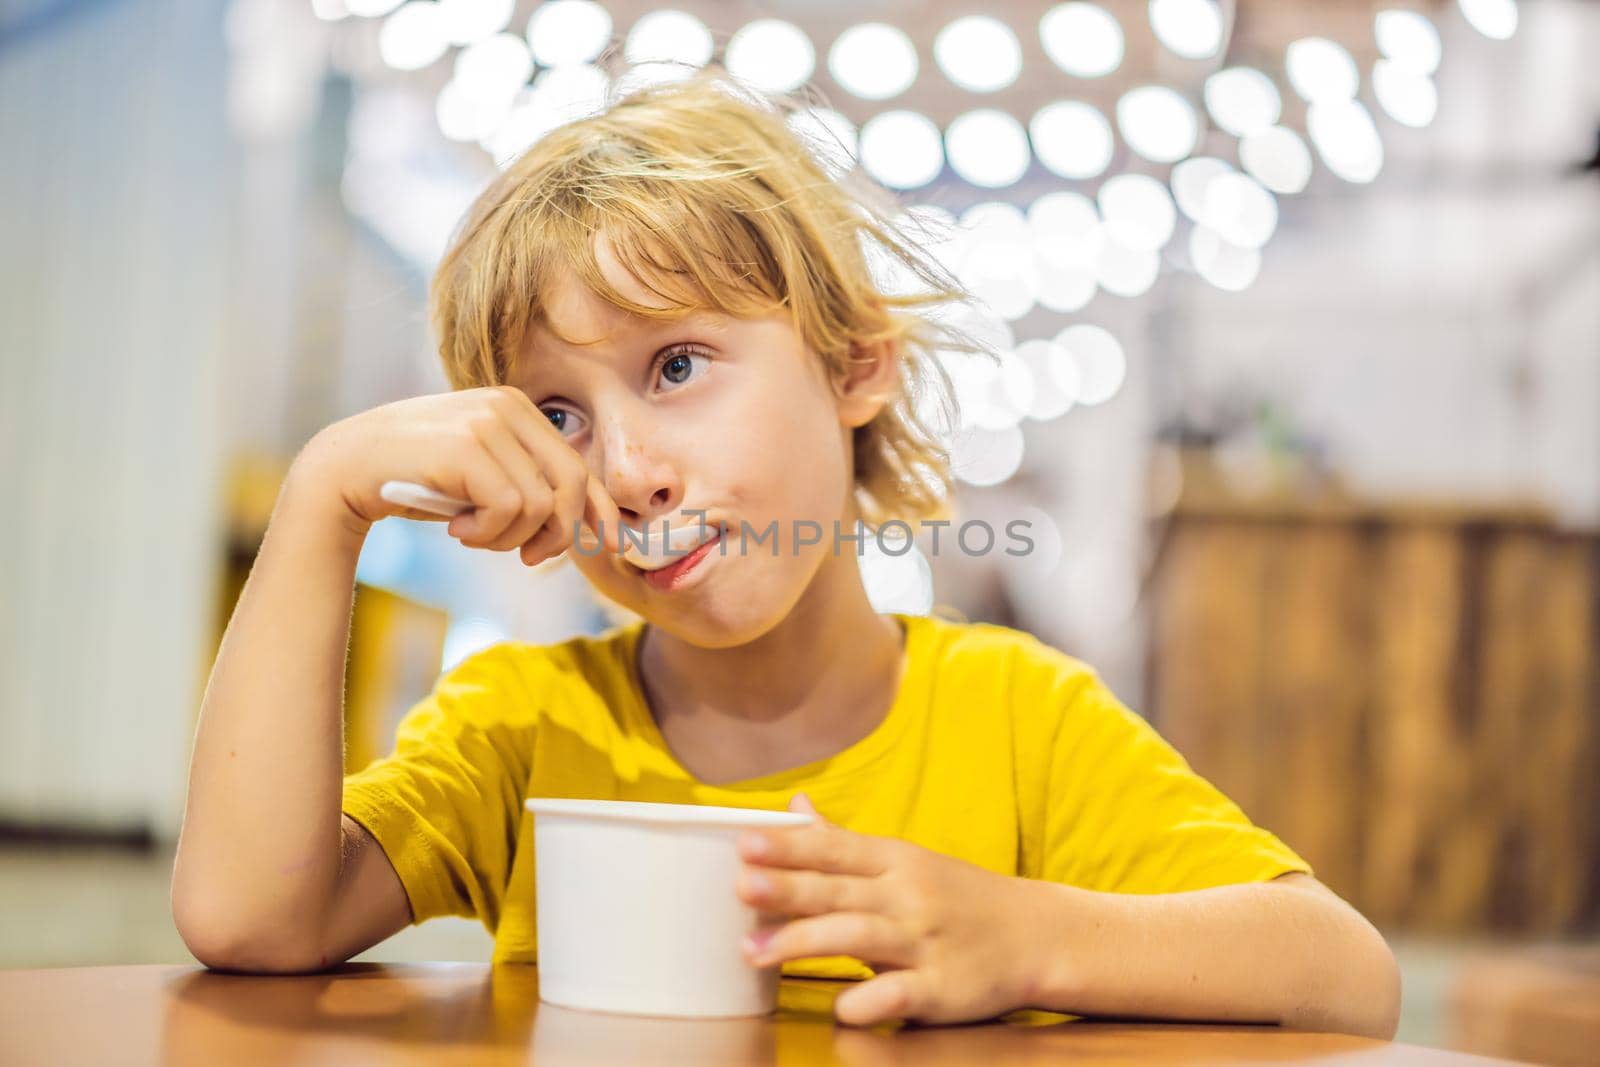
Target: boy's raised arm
x: 270, y: 875
x: 261, y: 852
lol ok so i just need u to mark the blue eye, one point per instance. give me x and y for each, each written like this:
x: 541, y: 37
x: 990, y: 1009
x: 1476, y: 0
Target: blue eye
x: 560, y: 418
x: 678, y: 367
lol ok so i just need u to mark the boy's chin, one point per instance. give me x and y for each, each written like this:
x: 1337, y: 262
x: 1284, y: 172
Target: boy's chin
x: 712, y: 627
x: 747, y: 598
x: 718, y: 620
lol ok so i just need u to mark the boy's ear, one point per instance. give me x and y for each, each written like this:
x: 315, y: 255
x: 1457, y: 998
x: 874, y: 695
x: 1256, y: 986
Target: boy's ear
x: 871, y: 381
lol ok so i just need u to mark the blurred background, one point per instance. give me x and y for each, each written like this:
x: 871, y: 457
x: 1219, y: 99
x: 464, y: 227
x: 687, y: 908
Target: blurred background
x: 1299, y: 308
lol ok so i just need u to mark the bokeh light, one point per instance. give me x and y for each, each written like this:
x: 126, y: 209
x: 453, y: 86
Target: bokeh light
x: 493, y: 68
x: 1098, y: 357
x: 980, y: 325
x: 1346, y: 139
x: 415, y: 36
x: 1066, y: 236
x: 831, y: 137
x: 467, y: 21
x: 1072, y: 139
x: 669, y: 36
x: 1221, y: 263
x: 1138, y: 211
x: 1157, y: 123
x: 895, y: 573
x: 983, y: 457
x: 464, y: 116
x: 873, y: 61
x: 991, y: 221
x: 935, y: 229
x: 1190, y: 181
x: 1239, y: 209
x: 1496, y: 19
x: 1124, y: 271
x: 1064, y: 226
x: 978, y: 53
x: 988, y: 148
x: 902, y: 149
x: 557, y: 96
x: 565, y: 32
x: 1085, y: 40
x: 487, y: 76
x: 1278, y: 159
x: 1242, y: 100
x: 1407, y: 96
x: 1008, y: 391
x: 1320, y: 69
x: 1189, y: 28
x: 771, y: 55
x: 1055, y: 378
x: 1408, y: 39
x: 995, y: 258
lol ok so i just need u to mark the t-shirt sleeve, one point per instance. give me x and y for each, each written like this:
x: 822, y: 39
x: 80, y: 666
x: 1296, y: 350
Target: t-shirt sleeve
x: 1125, y: 813
x: 447, y: 802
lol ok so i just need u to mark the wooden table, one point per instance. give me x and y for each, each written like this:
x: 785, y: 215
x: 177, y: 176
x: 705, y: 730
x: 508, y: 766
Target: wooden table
x: 440, y: 1013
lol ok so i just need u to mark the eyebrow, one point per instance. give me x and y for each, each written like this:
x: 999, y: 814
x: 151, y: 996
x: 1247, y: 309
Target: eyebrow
x: 703, y: 319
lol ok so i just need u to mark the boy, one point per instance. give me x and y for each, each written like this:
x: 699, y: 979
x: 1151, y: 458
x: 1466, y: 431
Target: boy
x: 664, y: 314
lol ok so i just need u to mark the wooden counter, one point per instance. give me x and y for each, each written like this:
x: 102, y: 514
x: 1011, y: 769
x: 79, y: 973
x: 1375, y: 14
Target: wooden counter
x: 461, y: 1013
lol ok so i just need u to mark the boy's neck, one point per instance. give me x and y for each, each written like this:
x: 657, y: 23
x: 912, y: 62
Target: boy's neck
x: 817, y: 682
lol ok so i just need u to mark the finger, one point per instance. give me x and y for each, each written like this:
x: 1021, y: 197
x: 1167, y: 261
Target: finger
x: 552, y: 452
x: 568, y: 478
x: 802, y: 804
x: 781, y: 892
x: 548, y: 543
x: 817, y: 847
x: 878, y: 940
x: 602, y: 514
x: 591, y: 504
x: 495, y: 498
x: 536, y: 496
x: 420, y: 515
x: 896, y: 995
x: 563, y: 528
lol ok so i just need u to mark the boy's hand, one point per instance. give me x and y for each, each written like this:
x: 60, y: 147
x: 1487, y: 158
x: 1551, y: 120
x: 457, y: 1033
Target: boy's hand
x: 948, y: 938
x: 531, y: 490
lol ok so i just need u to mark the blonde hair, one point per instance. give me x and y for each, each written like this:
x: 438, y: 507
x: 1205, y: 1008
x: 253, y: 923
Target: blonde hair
x: 710, y: 199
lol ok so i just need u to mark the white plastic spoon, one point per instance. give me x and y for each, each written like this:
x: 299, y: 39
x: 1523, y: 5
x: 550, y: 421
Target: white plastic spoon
x: 412, y: 495
x: 658, y: 551
x: 651, y: 555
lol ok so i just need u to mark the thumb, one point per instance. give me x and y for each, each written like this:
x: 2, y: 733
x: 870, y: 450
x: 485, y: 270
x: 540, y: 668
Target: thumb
x: 802, y: 803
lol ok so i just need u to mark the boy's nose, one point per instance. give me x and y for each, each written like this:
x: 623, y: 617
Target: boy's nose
x: 642, y: 481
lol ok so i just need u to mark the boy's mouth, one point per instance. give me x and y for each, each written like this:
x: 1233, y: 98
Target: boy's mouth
x: 653, y: 548
x: 665, y: 571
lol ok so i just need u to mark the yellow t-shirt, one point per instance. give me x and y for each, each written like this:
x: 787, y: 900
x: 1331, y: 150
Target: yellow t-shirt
x: 998, y: 749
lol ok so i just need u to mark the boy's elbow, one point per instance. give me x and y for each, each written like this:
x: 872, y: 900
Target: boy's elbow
x: 1372, y: 987
x: 1383, y: 991
x: 222, y: 943
x: 1352, y: 979
x: 1366, y: 996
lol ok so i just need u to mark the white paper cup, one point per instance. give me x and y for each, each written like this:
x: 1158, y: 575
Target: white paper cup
x: 637, y: 912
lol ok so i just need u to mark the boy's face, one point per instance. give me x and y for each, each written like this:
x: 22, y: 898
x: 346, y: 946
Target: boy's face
x: 733, y: 417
